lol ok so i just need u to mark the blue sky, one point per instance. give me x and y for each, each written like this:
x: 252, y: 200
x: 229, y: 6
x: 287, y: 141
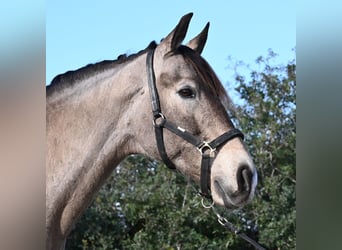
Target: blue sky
x: 83, y: 32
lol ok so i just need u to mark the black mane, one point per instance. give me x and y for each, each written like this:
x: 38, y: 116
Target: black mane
x: 71, y: 77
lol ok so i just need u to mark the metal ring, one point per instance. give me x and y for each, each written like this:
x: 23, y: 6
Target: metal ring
x: 158, y: 117
x: 206, y: 206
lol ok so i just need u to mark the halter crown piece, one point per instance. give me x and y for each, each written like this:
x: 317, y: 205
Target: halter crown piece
x: 207, y: 149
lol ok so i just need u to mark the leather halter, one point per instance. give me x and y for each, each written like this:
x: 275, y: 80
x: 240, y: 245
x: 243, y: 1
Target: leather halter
x: 206, y: 149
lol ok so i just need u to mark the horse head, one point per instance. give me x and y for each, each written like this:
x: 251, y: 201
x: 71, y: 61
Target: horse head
x: 192, y: 121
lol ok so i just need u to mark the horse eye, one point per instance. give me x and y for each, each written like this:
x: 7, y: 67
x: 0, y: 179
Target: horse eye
x: 186, y: 93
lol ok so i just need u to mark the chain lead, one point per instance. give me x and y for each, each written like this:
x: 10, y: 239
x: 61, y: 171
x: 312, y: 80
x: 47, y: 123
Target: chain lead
x: 228, y: 225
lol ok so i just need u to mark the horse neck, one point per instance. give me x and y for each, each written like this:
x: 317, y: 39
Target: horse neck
x: 87, y: 136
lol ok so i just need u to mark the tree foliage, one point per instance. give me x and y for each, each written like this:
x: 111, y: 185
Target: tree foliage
x: 268, y: 117
x: 144, y: 205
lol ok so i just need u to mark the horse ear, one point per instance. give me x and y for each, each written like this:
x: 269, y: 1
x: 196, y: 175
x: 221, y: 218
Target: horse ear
x: 197, y: 43
x: 173, y: 40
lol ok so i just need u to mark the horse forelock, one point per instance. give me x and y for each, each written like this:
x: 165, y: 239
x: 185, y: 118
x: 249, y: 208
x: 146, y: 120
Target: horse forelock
x: 207, y: 75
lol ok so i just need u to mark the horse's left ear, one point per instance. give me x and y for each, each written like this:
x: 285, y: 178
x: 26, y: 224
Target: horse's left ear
x: 177, y: 35
x: 197, y: 43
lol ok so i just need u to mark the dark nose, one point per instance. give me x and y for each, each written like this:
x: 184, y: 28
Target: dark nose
x: 244, y: 179
x: 244, y: 185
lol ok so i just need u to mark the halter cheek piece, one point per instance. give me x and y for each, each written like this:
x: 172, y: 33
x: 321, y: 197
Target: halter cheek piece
x: 207, y: 149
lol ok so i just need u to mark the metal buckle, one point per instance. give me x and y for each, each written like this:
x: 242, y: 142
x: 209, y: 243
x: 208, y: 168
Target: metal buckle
x: 159, y: 117
x: 206, y: 147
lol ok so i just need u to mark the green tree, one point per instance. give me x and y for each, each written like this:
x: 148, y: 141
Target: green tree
x: 268, y: 118
x: 144, y: 205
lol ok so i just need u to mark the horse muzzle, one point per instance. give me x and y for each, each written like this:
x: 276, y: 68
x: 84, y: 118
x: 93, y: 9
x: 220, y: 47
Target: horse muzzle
x: 235, y: 192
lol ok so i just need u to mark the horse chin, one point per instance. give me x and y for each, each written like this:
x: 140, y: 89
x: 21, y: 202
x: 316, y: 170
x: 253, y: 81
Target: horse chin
x: 230, y: 201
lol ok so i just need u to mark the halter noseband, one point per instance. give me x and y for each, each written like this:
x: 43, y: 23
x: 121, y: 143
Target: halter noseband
x: 207, y: 149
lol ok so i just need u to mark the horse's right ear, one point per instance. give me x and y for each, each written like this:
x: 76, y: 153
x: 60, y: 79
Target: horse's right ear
x: 173, y: 40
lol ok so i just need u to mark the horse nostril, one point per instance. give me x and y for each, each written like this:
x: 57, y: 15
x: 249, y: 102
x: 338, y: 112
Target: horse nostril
x: 244, y: 179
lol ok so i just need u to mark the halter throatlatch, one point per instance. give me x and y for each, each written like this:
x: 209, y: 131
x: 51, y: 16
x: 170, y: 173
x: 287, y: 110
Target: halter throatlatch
x: 207, y: 149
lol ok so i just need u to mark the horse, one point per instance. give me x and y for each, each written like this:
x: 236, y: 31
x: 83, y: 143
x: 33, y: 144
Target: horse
x: 164, y: 102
